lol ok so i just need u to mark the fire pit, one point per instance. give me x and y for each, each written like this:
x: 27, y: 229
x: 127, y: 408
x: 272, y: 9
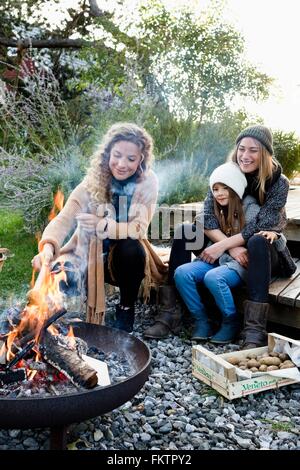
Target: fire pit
x: 59, y: 411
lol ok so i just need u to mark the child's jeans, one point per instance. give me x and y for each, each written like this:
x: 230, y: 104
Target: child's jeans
x: 218, y: 279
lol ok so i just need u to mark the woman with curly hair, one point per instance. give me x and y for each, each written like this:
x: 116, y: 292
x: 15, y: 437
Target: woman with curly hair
x: 109, y: 213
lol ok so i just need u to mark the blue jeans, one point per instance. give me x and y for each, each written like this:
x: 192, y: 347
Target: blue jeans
x: 218, y: 279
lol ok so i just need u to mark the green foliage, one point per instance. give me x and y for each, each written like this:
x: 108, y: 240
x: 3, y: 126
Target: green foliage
x: 39, y: 152
x: 16, y: 273
x: 278, y: 425
x: 36, y: 124
x: 105, y: 68
x: 287, y: 152
x: 28, y: 186
x: 31, y: 19
x: 199, y: 64
x: 180, y: 181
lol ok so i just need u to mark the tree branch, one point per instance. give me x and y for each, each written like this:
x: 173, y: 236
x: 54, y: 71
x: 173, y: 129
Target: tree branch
x: 94, y: 9
x: 45, y: 43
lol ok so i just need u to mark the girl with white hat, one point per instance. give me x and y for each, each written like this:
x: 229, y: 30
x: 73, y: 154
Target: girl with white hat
x: 227, y: 183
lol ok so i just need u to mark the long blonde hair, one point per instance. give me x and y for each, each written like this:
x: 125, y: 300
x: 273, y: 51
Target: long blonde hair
x: 231, y: 218
x: 98, y: 178
x: 267, y: 163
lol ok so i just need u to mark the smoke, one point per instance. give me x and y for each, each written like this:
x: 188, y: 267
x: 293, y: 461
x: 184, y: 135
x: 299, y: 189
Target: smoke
x: 181, y: 181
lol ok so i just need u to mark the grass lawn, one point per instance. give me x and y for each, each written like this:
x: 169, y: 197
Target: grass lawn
x: 16, y: 273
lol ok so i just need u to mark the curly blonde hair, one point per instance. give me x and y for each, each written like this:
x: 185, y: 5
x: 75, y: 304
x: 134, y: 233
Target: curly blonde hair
x: 98, y: 178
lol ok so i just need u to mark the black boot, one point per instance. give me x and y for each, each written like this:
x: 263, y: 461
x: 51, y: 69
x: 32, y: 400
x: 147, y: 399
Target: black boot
x: 168, y: 319
x: 124, y: 318
x: 255, y: 322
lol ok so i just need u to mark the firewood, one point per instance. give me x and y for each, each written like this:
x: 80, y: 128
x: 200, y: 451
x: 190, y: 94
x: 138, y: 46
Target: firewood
x: 20, y: 343
x: 67, y: 361
x: 12, y: 376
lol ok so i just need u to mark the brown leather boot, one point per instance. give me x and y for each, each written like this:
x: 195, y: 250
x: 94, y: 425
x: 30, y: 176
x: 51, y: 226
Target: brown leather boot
x: 255, y: 321
x: 168, y: 319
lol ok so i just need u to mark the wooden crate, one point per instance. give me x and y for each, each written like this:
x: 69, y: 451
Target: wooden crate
x: 215, y: 371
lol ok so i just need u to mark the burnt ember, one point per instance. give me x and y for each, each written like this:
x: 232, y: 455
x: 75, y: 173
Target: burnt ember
x: 60, y: 368
x: 45, y: 381
x: 12, y: 376
x: 64, y: 353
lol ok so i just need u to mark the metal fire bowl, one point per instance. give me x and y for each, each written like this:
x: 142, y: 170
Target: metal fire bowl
x: 58, y: 411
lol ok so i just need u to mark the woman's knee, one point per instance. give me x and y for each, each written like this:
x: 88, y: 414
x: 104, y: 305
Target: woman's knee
x: 183, y: 274
x: 211, y: 279
x: 129, y: 249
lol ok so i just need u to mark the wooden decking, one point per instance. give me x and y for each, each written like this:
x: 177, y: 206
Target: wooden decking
x: 292, y: 231
x: 284, y: 298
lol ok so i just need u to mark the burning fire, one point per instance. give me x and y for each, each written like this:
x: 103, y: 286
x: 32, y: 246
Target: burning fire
x: 43, y: 301
x: 58, y: 204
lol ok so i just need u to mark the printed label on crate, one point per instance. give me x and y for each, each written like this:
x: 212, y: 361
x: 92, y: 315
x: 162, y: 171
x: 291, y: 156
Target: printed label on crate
x: 210, y: 375
x: 251, y: 386
x: 208, y: 362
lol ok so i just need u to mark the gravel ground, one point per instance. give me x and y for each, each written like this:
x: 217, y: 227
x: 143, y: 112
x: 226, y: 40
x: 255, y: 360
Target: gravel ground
x: 175, y: 411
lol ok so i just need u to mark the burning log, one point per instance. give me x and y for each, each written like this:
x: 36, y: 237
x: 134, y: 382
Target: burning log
x: 20, y: 355
x: 67, y: 361
x: 12, y: 376
x: 23, y: 342
x: 61, y: 352
x: 11, y: 318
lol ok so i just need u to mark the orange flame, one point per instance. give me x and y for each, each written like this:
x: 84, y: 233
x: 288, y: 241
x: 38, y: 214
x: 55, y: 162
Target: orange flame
x: 42, y: 301
x: 38, y: 237
x: 58, y: 204
x: 71, y: 337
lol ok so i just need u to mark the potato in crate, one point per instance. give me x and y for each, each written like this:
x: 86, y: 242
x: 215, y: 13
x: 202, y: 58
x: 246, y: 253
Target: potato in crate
x: 240, y: 373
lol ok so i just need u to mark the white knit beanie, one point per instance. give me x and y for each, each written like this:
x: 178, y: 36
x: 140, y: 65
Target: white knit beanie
x: 230, y: 175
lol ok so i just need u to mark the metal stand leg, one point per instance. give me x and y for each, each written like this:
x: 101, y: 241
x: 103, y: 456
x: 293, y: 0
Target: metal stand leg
x: 58, y: 438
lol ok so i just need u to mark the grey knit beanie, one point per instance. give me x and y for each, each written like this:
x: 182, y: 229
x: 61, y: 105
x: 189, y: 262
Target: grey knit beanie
x: 260, y: 133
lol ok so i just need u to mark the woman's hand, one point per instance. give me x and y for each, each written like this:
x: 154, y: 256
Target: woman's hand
x: 240, y: 254
x: 212, y: 253
x: 271, y: 236
x: 44, y: 257
x: 88, y: 222
x: 101, y: 229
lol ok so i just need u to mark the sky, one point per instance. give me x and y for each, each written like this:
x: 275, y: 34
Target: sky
x: 272, y: 34
x: 272, y: 39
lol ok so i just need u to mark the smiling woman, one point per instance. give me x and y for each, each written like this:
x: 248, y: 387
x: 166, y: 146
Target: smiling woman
x: 111, y: 211
x: 125, y: 159
x: 269, y: 187
x: 250, y: 246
